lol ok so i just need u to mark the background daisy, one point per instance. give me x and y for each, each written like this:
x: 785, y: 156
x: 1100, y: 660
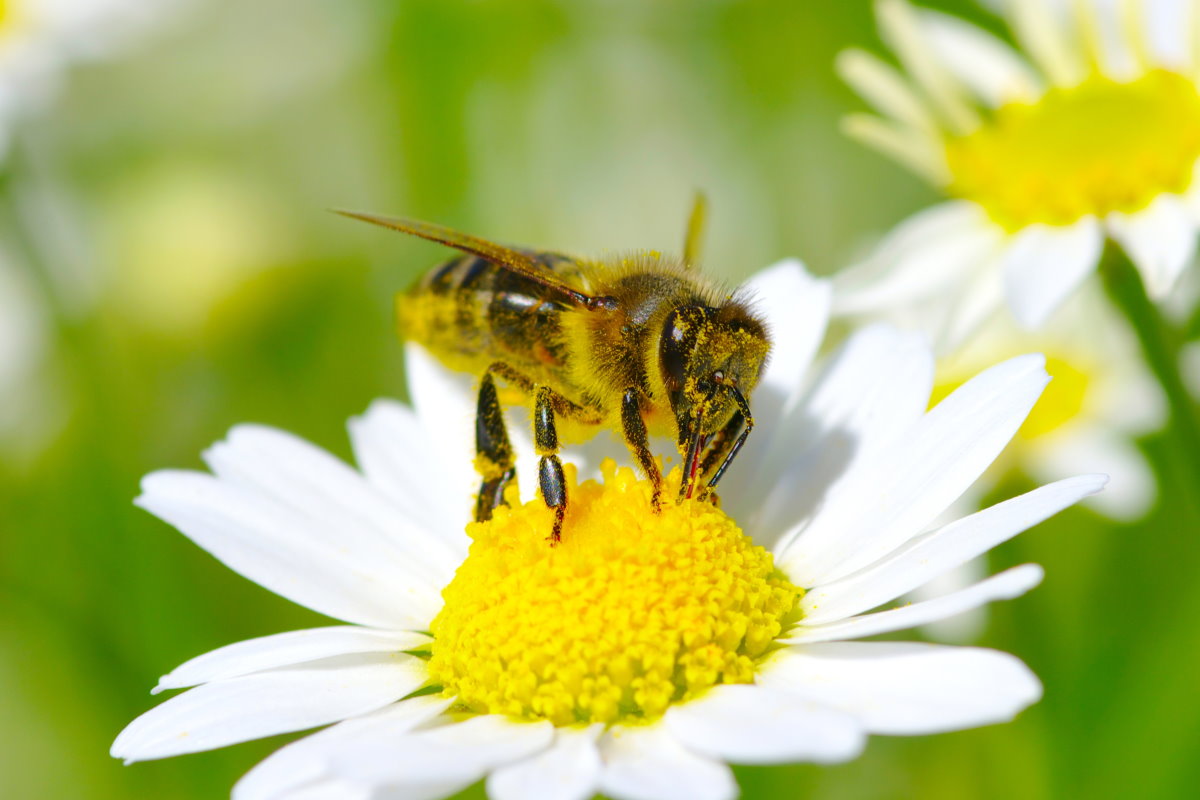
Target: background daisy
x: 1090, y: 131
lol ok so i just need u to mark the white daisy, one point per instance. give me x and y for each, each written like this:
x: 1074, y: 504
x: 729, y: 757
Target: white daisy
x: 1100, y: 398
x: 645, y: 652
x: 39, y: 38
x: 1096, y: 135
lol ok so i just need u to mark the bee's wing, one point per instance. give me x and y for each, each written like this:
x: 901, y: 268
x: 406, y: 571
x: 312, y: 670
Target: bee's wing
x: 516, y: 260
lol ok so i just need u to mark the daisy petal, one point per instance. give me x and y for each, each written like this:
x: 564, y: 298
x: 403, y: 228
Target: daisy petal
x: 267, y: 703
x: 926, y: 253
x: 389, y: 444
x: 303, y: 765
x: 453, y: 754
x: 905, y: 689
x: 568, y: 770
x: 937, y: 552
x: 881, y: 85
x: 874, y: 388
x: 987, y: 66
x: 913, y: 480
x: 1003, y: 586
x: 1160, y: 240
x: 796, y: 306
x: 1045, y: 264
x: 647, y: 763
x: 758, y: 725
x: 289, y: 555
x: 284, y: 649
x: 1131, y: 489
x: 299, y: 476
x: 445, y: 404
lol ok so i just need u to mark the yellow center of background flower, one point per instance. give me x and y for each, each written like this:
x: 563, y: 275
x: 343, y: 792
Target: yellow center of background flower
x: 631, y: 612
x: 1098, y: 147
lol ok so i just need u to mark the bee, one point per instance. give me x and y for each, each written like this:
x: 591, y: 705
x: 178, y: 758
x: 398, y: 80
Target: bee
x: 642, y: 344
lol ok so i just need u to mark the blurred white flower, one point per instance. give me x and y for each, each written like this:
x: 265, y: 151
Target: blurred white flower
x: 1096, y: 135
x: 31, y: 410
x: 40, y: 38
x: 1100, y: 396
x: 514, y: 640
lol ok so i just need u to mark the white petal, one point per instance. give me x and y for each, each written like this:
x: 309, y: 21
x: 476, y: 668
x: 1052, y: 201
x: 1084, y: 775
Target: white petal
x: 1160, y: 240
x: 445, y: 406
x: 976, y: 301
x: 874, y: 388
x: 900, y: 28
x: 913, y: 149
x: 567, y: 770
x: 758, y: 725
x: 901, y: 688
x: 796, y: 307
x: 304, y: 764
x: 1041, y: 33
x: 647, y: 763
x: 885, y: 89
x: 909, y: 483
x: 456, y: 753
x: 284, y: 649
x: 303, y: 478
x: 1045, y: 264
x: 987, y: 66
x: 939, y: 551
x: 1003, y: 586
x: 391, y: 445
x: 929, y: 253
x: 267, y: 703
x: 289, y: 554
x: 1131, y: 488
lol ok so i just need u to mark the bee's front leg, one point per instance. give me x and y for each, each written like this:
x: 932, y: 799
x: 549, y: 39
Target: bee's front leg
x: 634, y: 428
x: 720, y: 453
x: 493, y: 452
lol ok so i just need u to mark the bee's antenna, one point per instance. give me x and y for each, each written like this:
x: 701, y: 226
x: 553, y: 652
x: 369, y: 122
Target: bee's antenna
x: 695, y: 229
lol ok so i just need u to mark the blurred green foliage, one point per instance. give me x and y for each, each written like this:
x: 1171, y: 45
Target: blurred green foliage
x: 171, y: 208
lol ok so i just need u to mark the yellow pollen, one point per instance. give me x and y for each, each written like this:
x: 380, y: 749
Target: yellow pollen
x: 631, y: 612
x: 1063, y: 400
x: 1098, y: 147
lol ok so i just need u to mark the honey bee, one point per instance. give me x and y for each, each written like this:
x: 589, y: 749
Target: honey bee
x: 642, y: 344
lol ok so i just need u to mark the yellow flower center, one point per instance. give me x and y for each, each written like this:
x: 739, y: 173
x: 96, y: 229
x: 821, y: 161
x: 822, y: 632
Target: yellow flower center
x: 1063, y: 399
x: 631, y: 612
x: 1094, y: 148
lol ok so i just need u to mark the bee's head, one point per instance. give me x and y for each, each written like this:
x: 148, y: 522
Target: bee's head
x: 710, y: 357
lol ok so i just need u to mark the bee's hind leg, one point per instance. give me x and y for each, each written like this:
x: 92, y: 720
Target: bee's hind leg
x: 493, y: 452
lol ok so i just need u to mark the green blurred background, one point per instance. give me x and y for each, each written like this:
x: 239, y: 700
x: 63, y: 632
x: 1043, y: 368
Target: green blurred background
x: 167, y: 213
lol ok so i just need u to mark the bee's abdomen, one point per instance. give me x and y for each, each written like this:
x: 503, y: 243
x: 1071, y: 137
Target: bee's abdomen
x: 470, y: 312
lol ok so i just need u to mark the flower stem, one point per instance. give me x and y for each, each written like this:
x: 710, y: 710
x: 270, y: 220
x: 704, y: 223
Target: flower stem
x: 1161, y: 349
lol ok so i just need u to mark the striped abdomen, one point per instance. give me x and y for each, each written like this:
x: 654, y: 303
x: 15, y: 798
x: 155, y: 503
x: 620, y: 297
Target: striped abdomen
x: 470, y: 312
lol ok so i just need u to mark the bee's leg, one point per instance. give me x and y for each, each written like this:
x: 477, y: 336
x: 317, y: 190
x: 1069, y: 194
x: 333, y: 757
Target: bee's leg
x: 493, y: 452
x: 550, y: 471
x: 717, y: 453
x: 634, y: 428
x: 725, y: 448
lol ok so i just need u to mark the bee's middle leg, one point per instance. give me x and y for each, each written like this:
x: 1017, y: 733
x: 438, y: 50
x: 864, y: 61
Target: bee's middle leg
x: 550, y: 470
